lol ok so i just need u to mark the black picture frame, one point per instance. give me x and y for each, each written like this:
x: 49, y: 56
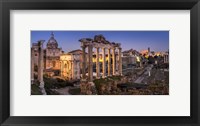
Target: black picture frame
x: 7, y: 5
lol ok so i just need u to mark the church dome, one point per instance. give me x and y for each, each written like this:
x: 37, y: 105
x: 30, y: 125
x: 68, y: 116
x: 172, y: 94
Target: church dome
x: 52, y: 43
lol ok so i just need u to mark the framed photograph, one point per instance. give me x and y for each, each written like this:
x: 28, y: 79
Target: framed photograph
x: 83, y: 62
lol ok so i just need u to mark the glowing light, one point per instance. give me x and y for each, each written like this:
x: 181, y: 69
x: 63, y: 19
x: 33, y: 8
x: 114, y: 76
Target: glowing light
x: 138, y: 59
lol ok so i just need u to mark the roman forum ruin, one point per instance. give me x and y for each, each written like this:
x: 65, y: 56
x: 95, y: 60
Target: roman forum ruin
x: 70, y: 66
x: 38, y: 47
x: 72, y: 63
x: 99, y: 42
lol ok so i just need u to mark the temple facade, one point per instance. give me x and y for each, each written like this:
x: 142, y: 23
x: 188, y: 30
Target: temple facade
x: 111, y: 50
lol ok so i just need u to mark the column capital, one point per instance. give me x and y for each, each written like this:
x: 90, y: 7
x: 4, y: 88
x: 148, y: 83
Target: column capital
x: 40, y: 43
x: 97, y: 63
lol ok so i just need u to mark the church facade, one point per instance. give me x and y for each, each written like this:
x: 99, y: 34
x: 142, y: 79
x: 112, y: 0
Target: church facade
x: 53, y: 61
x: 52, y: 57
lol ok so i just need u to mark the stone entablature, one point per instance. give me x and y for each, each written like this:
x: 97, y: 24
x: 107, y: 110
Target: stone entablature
x: 97, y: 44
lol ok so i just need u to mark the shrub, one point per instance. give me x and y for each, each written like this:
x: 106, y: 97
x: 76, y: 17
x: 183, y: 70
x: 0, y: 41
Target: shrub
x: 35, y: 89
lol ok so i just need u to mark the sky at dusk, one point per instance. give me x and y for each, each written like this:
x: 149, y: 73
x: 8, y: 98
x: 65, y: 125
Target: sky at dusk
x: 138, y: 40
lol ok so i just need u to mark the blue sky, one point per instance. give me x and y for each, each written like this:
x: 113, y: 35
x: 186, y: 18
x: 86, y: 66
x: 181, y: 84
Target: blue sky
x: 138, y: 40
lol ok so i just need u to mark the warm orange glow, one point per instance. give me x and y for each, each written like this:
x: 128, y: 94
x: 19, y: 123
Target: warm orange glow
x: 100, y: 59
x: 144, y: 52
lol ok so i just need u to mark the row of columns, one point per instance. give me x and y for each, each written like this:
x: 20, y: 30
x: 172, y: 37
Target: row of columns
x: 90, y: 65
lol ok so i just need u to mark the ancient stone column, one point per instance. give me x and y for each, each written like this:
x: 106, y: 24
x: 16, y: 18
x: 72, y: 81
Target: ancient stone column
x: 41, y: 67
x: 83, y: 63
x: 32, y: 65
x: 89, y: 74
x: 61, y: 68
x: 78, y: 68
x: 120, y: 61
x: 104, y: 62
x: 90, y: 66
x: 109, y: 62
x: 97, y: 62
x: 117, y: 62
x: 40, y: 62
x: 64, y: 68
x: 72, y: 69
x: 113, y: 60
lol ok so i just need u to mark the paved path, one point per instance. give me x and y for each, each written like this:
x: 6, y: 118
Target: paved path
x: 139, y: 79
x: 63, y: 91
x: 145, y: 74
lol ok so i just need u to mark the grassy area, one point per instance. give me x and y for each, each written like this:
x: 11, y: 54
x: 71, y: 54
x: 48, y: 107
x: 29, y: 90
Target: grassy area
x: 109, y: 85
x: 114, y: 77
x: 52, y: 83
x: 35, y: 90
x: 98, y: 83
x: 104, y: 81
